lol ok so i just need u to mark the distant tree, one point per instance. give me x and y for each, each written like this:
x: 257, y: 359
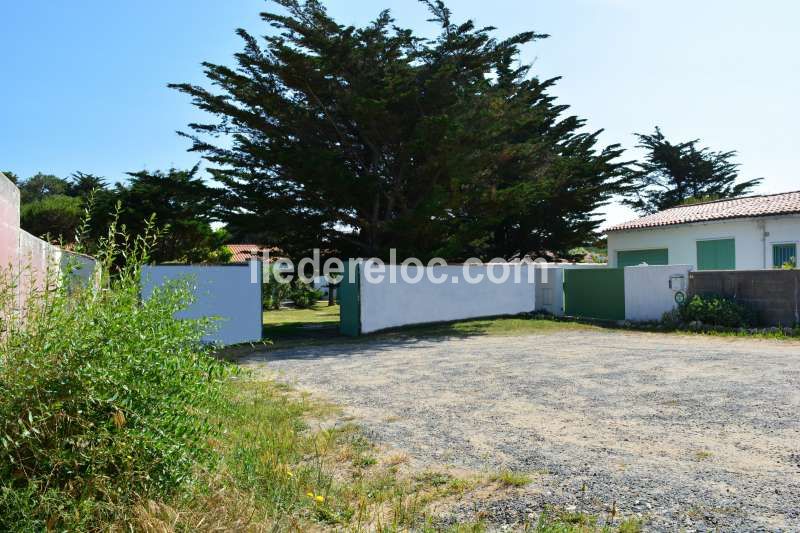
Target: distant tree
x: 10, y: 175
x: 81, y: 184
x: 361, y: 139
x: 55, y: 215
x: 675, y: 174
x: 40, y: 186
x: 184, y: 206
x: 182, y: 203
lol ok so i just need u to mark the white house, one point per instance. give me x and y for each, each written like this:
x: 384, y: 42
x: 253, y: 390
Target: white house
x: 750, y: 233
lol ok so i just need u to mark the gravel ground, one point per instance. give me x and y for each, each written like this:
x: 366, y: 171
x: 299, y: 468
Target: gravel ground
x: 690, y: 432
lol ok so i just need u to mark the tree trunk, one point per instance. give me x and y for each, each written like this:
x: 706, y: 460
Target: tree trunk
x: 331, y: 289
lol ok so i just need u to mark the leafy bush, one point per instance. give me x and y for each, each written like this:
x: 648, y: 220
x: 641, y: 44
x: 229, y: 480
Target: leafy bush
x: 273, y: 292
x: 716, y: 311
x: 52, y: 212
x: 105, y: 399
x: 304, y: 295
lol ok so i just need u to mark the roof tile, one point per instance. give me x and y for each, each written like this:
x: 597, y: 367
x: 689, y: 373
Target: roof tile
x: 752, y: 206
x: 242, y: 253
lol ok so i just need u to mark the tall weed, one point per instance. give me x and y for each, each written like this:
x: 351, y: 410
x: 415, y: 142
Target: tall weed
x: 104, y: 399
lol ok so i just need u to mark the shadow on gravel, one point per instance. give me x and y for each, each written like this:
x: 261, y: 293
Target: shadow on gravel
x: 311, y: 341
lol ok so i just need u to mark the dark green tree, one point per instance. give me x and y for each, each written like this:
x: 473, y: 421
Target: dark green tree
x: 81, y: 184
x: 10, y: 175
x: 54, y: 215
x: 361, y: 139
x: 40, y: 186
x: 184, y: 208
x: 675, y: 174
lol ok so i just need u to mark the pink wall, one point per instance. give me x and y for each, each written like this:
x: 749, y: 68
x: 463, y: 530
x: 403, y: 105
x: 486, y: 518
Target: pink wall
x: 28, y: 259
x: 9, y: 222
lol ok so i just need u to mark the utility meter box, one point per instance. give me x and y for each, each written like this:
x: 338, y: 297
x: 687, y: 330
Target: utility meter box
x: 677, y: 282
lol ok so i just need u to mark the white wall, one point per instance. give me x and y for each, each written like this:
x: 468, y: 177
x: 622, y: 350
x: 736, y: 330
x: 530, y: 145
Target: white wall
x: 389, y: 305
x: 647, y: 290
x: 753, y: 248
x: 225, y: 292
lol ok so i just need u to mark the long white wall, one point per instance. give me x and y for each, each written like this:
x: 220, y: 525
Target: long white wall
x: 222, y: 292
x: 648, y: 293
x: 753, y: 247
x: 388, y: 305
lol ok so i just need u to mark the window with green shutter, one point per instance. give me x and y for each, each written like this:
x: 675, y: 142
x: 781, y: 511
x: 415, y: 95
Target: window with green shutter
x: 637, y: 257
x: 783, y: 254
x: 717, y: 254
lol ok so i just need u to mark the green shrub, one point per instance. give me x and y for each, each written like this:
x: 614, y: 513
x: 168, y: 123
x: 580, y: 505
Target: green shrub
x: 105, y: 400
x: 716, y: 311
x: 273, y: 292
x: 304, y: 295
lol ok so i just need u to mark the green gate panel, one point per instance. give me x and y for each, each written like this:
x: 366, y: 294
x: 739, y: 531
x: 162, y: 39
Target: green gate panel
x: 718, y: 254
x: 350, y: 301
x: 597, y: 293
x: 637, y: 257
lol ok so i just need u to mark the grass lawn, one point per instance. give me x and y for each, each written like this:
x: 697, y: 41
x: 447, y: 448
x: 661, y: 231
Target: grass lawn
x: 288, y: 325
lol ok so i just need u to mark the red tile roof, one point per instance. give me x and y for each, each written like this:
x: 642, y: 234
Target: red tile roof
x: 786, y: 203
x: 242, y: 253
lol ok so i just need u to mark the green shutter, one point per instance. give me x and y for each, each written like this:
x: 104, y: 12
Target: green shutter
x: 637, y: 257
x: 718, y: 254
x: 784, y: 253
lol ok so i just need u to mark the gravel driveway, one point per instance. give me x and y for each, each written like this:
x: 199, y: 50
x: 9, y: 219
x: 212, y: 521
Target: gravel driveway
x: 691, y: 432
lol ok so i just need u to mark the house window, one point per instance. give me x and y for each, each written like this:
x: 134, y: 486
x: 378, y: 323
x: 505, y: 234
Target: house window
x: 717, y: 254
x: 784, y: 254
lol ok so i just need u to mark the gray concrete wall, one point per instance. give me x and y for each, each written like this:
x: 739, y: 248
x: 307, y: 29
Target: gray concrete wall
x: 226, y: 293
x: 773, y: 294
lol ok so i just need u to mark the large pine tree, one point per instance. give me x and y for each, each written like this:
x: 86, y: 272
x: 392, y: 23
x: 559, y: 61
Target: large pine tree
x: 361, y: 139
x: 672, y: 174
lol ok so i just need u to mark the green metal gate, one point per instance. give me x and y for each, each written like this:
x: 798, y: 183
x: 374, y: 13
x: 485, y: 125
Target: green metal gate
x: 350, y: 301
x: 595, y: 293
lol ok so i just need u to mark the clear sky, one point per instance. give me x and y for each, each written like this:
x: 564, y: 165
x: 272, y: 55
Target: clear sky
x: 83, y: 82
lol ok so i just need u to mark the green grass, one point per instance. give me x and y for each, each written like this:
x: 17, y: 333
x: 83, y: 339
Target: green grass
x: 280, y: 469
x: 285, y: 328
x: 508, y: 478
x: 488, y: 326
x: 321, y: 313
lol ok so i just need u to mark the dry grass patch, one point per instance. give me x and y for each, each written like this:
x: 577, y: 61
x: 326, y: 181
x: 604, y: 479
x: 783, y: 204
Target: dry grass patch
x: 288, y: 463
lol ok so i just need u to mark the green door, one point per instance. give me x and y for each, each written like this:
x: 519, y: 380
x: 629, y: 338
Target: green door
x: 637, y: 257
x: 719, y: 254
x: 595, y: 293
x: 349, y: 301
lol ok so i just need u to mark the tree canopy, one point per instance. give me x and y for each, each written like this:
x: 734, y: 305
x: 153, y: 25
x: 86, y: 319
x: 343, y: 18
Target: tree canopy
x: 183, y: 206
x: 361, y: 139
x: 675, y: 174
x: 182, y: 203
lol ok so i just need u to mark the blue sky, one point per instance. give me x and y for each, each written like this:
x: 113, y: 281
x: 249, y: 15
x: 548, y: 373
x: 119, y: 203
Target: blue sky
x: 83, y: 83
